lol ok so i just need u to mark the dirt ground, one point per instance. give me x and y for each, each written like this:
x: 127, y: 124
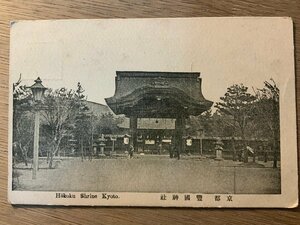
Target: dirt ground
x: 152, y: 173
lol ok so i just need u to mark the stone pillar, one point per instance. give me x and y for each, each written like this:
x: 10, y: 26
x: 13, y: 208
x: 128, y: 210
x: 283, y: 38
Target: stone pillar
x: 36, y: 144
x: 201, y: 146
x: 133, y: 131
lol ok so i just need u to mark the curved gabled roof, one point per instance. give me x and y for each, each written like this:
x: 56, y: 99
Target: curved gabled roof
x: 158, y: 94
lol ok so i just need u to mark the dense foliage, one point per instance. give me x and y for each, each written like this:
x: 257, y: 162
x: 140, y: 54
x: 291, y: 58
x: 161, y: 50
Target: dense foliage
x: 65, y: 117
x: 240, y: 114
x: 68, y: 127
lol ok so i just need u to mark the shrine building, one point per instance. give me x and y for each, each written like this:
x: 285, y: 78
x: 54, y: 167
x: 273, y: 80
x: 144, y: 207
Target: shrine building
x: 170, y: 97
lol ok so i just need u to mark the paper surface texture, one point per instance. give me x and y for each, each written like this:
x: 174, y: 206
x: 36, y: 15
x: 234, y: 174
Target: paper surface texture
x: 170, y: 112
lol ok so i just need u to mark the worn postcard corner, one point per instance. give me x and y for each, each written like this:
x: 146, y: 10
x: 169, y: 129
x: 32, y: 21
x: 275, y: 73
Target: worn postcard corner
x: 182, y: 112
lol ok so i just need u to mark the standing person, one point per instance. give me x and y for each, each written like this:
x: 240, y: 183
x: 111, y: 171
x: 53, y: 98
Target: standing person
x: 176, y: 152
x: 159, y: 148
x: 171, y: 148
x: 131, y: 150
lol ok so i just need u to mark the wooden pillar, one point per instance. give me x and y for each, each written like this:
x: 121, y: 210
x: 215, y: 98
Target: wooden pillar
x: 133, y: 131
x: 179, y: 133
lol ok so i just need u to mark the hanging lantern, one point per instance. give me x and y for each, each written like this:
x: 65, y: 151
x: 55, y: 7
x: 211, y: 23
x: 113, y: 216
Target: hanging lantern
x: 38, y: 89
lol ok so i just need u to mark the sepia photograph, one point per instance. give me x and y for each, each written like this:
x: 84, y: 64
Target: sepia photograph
x: 196, y: 112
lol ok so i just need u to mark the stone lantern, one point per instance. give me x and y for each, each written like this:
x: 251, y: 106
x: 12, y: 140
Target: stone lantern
x: 219, y: 149
x: 95, y: 148
x: 101, y: 141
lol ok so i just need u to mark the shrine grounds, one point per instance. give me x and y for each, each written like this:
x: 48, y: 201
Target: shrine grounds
x: 151, y: 173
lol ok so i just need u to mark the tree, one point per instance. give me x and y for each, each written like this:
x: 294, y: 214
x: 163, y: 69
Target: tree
x: 108, y: 124
x: 237, y: 103
x: 23, y: 122
x: 62, y: 109
x: 202, y: 122
x: 83, y: 130
x: 267, y: 115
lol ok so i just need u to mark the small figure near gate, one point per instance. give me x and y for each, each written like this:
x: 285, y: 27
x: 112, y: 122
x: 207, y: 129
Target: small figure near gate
x: 171, y: 151
x: 131, y: 150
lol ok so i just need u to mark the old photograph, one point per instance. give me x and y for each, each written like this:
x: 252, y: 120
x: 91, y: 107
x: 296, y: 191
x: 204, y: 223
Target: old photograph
x: 193, y: 112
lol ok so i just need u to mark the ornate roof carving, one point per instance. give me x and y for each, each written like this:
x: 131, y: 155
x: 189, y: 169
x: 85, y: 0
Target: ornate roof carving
x: 158, y: 94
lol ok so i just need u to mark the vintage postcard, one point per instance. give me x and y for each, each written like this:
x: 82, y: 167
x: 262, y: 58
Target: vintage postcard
x: 170, y: 112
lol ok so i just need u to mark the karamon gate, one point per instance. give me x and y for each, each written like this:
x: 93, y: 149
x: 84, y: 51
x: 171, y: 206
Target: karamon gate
x: 175, y: 95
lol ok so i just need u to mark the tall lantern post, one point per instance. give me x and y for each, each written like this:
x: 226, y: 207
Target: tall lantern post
x: 38, y: 91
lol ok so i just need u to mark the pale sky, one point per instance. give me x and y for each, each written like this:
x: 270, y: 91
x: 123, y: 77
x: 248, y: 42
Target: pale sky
x: 224, y: 50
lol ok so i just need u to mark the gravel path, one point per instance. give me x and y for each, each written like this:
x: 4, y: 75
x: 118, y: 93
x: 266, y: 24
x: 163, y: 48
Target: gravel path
x: 153, y: 174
